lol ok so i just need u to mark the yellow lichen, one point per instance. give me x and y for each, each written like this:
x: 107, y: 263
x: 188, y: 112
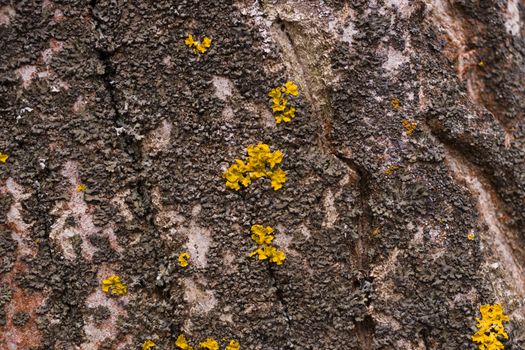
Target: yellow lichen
x: 182, y: 343
x: 114, y: 286
x: 481, y: 63
x: 490, y: 327
x: 471, y: 236
x: 262, y: 235
x: 409, y: 125
x: 198, y: 46
x: 396, y: 104
x: 183, y: 259
x: 3, y: 157
x: 148, y: 344
x: 265, y: 251
x: 81, y: 188
x: 261, y: 163
x: 234, y: 345
x: 280, y: 99
x: 391, y: 169
x: 210, y: 344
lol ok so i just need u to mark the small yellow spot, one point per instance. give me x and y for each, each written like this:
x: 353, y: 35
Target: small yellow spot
x: 376, y: 231
x: 210, y: 344
x: 391, y: 169
x: 234, y: 345
x: 182, y: 343
x: 409, y: 125
x: 197, y: 46
x: 3, y: 157
x: 183, y: 259
x: 81, y: 188
x: 471, y: 236
x: 396, y: 104
x: 481, y: 63
x: 490, y: 327
x: 113, y: 286
x: 148, y: 344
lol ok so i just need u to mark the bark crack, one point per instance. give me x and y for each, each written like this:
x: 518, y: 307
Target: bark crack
x: 492, y: 211
x: 131, y: 145
x: 304, y: 59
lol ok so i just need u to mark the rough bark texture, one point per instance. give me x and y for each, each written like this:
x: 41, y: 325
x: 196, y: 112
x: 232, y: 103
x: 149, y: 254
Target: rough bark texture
x: 105, y: 93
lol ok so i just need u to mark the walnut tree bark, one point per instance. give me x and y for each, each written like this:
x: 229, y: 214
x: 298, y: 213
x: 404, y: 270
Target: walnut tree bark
x: 373, y: 220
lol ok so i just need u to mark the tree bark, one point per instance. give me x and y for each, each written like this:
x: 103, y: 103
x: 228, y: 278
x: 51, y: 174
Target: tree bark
x: 373, y: 219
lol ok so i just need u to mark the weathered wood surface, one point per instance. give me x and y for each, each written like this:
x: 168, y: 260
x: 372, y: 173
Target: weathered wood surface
x: 105, y: 93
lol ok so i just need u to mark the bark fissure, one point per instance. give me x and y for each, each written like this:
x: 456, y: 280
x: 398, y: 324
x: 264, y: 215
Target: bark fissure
x: 303, y: 61
x: 279, y: 293
x: 365, y: 329
x: 131, y: 145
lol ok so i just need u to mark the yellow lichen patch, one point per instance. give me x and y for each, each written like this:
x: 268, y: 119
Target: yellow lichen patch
x: 471, y: 236
x: 114, y: 286
x: 481, y: 63
x: 81, y: 188
x: 490, y: 327
x: 409, y: 125
x: 396, y: 104
x: 3, y: 157
x: 182, y: 343
x: 210, y: 344
x: 148, y: 344
x: 183, y: 259
x: 262, y: 235
x: 234, y: 345
x: 198, y: 46
x: 280, y: 99
x: 265, y: 251
x: 391, y: 169
x: 261, y: 163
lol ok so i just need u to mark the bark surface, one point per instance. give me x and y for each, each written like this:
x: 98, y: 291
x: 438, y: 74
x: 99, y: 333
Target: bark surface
x: 105, y: 93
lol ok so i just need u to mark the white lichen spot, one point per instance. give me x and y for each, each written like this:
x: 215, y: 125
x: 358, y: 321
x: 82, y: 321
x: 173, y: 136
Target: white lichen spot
x: 158, y: 139
x: 6, y: 13
x: 199, y: 241
x: 513, y: 21
x: 15, y: 221
x: 403, y: 6
x: 223, y: 88
x: 200, y: 301
x: 27, y: 74
x: 228, y: 259
x: 79, y: 105
x: 394, y: 60
x: 78, y: 209
x: 331, y: 214
x: 54, y: 47
x: 120, y: 202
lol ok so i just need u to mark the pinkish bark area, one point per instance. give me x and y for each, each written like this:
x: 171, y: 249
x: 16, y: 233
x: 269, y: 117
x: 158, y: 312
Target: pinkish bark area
x: 376, y: 222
